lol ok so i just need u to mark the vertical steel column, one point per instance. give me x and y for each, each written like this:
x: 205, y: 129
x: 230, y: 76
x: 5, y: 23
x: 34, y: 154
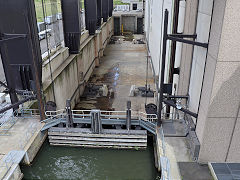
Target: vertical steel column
x: 99, y: 13
x: 37, y: 79
x: 8, y: 72
x: 128, y: 119
x: 69, y: 118
x: 165, y: 35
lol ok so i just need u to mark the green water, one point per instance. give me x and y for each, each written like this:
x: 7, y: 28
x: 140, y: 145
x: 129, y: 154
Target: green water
x: 91, y: 164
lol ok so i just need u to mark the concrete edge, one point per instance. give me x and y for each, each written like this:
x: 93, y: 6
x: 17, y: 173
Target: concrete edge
x: 33, y: 146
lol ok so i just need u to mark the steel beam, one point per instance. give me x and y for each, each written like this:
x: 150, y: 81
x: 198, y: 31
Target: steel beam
x: 176, y: 96
x: 164, y: 49
x: 36, y: 78
x: 178, y: 39
x: 171, y: 103
x: 17, y: 104
x: 194, y: 36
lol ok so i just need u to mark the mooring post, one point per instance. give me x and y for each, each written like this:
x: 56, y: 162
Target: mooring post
x: 96, y: 122
x: 69, y: 118
x: 128, y: 119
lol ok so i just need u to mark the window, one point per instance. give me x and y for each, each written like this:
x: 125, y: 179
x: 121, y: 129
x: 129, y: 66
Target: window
x: 134, y: 6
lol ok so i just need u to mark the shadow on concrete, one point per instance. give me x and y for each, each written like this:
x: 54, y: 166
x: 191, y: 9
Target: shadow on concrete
x: 194, y: 171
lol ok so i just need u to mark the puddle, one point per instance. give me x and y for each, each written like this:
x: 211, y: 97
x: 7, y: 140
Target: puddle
x: 91, y: 99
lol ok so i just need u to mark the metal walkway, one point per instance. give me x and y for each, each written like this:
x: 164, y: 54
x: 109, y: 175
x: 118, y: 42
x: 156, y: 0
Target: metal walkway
x: 146, y: 121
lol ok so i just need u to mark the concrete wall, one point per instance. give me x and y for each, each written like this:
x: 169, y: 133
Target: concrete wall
x: 71, y: 72
x: 190, y: 19
x: 218, y: 125
x: 204, y: 16
x: 128, y: 20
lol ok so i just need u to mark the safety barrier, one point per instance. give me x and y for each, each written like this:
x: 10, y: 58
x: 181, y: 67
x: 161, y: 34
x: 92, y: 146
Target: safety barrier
x: 7, y: 123
x: 147, y: 121
x: 6, y: 164
x: 104, y: 114
x: 164, y: 161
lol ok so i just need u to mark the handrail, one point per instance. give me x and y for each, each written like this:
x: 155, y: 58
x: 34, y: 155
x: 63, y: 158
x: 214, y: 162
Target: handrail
x: 104, y: 114
x: 6, y: 164
x: 165, y: 163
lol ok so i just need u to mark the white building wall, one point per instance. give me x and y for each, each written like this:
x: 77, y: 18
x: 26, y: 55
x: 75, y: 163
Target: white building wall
x: 199, y: 53
x: 154, y: 12
x: 181, y: 19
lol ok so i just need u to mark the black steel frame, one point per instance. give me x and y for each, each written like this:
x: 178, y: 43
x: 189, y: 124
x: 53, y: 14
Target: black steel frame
x: 13, y: 92
x: 175, y: 38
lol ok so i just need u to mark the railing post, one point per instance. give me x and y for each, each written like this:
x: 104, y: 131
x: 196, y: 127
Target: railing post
x: 96, y: 122
x: 128, y: 119
x: 69, y: 118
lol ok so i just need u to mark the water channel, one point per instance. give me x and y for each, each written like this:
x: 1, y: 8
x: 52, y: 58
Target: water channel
x: 92, y: 164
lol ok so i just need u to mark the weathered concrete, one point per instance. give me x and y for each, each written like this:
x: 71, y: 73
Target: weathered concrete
x: 25, y: 135
x: 70, y: 73
x: 122, y: 66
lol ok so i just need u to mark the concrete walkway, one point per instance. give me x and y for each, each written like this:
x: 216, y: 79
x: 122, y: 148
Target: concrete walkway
x: 23, y: 139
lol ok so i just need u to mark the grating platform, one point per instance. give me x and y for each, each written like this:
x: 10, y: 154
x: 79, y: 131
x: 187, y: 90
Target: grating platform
x: 225, y: 171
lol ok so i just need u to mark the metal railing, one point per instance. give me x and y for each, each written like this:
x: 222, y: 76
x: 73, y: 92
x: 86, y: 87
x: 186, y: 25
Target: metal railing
x: 83, y: 114
x: 147, y: 117
x: 6, y: 164
x: 111, y: 115
x: 165, y: 168
x: 7, y: 123
x: 27, y: 113
x: 164, y: 161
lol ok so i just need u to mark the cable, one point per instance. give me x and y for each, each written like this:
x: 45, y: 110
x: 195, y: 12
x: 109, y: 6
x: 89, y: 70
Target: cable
x: 49, y: 59
x: 147, y: 51
x: 146, y: 86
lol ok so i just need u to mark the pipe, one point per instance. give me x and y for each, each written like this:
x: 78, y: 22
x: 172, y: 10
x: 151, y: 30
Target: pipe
x: 170, y: 37
x: 17, y: 104
x: 176, y: 96
x: 171, y: 103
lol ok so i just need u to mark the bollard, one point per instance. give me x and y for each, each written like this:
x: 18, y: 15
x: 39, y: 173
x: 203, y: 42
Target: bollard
x: 96, y: 122
x: 128, y: 119
x: 69, y: 118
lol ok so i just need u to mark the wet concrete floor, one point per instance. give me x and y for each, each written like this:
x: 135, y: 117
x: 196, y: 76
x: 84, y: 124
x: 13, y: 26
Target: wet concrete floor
x: 123, y: 65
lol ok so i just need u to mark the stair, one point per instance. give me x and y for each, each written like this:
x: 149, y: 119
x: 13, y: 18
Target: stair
x: 149, y: 126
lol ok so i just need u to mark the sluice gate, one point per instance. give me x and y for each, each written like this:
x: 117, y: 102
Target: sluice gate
x: 97, y: 128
